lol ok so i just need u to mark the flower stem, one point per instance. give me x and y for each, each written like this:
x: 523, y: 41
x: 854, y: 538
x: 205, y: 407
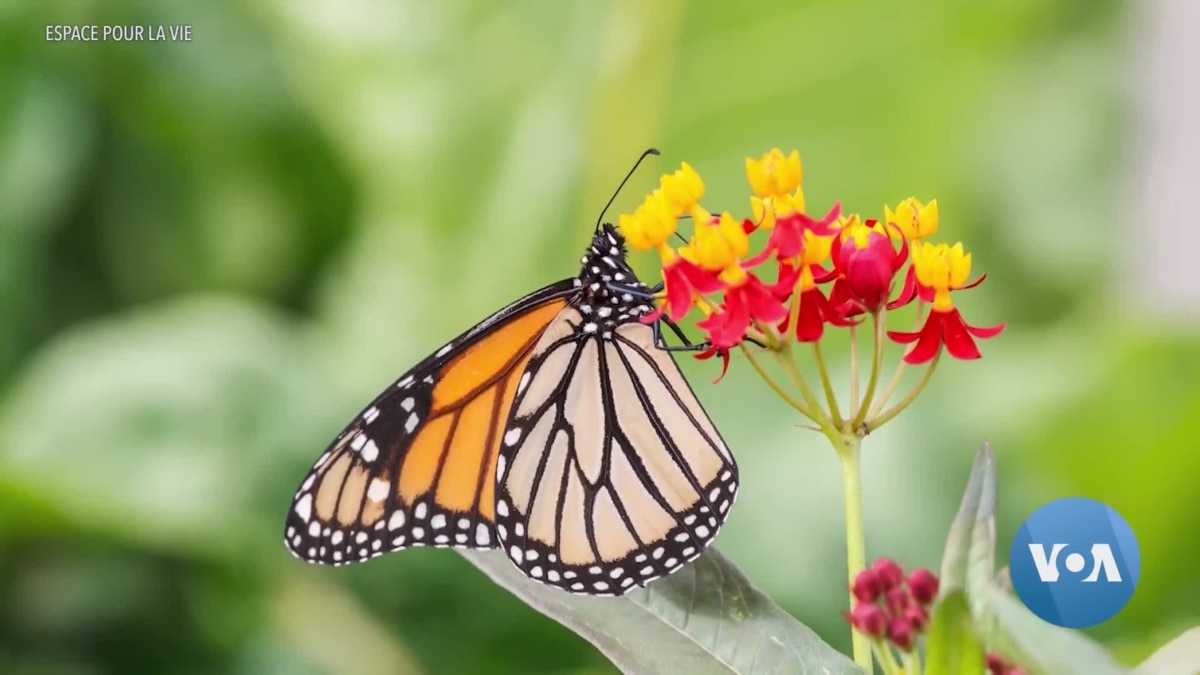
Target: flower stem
x: 816, y: 413
x: 891, y: 389
x: 876, y: 362
x: 848, y: 447
x: 912, y: 661
x: 775, y: 386
x: 889, y: 663
x: 879, y: 420
x: 834, y: 413
x: 853, y: 370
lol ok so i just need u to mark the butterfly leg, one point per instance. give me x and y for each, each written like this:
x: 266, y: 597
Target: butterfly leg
x: 687, y: 345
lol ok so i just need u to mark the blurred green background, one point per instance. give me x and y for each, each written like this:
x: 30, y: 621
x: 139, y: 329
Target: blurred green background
x: 213, y: 253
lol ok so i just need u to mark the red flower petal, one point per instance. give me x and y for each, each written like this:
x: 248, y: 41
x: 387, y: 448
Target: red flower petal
x: 955, y: 336
x: 785, y: 284
x: 928, y: 339
x: 984, y: 333
x: 810, y: 320
x: 713, y: 351
x: 908, y: 293
x: 973, y: 284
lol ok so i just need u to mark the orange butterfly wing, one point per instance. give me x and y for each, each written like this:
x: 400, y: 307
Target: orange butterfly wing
x: 417, y: 467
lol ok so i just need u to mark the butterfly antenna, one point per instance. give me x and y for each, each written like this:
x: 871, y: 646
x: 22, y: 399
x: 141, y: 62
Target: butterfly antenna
x: 647, y: 153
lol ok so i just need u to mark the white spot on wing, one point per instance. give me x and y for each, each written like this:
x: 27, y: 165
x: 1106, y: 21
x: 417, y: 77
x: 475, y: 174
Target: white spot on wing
x: 370, y: 451
x: 396, y: 520
x: 304, y: 507
x: 378, y: 490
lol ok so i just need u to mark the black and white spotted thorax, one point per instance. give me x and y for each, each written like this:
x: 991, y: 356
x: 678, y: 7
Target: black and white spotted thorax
x: 610, y: 293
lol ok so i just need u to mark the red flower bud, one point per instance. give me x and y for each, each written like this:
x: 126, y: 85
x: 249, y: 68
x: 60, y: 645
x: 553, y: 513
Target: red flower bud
x: 897, y: 600
x: 917, y: 616
x: 867, y: 618
x: 868, y: 262
x: 867, y: 586
x: 890, y: 574
x: 924, y: 586
x: 902, y: 634
x: 995, y: 665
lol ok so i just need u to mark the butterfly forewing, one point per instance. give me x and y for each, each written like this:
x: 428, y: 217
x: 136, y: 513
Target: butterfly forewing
x: 417, y: 466
x: 611, y: 475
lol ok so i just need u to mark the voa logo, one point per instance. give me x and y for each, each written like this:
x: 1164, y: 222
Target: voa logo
x: 1075, y: 562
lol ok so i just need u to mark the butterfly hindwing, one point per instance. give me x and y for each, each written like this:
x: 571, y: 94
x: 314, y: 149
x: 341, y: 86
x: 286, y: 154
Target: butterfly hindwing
x: 417, y: 466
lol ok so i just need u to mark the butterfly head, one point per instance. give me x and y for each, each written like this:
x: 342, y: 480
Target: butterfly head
x: 607, y: 280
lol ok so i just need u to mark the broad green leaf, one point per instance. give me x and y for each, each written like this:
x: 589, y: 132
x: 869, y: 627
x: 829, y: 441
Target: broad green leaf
x: 1035, y: 645
x: 953, y: 647
x: 706, y: 618
x: 957, y: 557
x: 1000, y: 621
x: 982, y: 551
x: 1180, y: 656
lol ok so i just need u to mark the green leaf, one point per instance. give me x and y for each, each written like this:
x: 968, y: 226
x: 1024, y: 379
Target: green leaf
x: 705, y: 618
x: 978, y: 504
x: 953, y: 648
x: 1039, y: 647
x: 1000, y: 621
x: 1180, y: 656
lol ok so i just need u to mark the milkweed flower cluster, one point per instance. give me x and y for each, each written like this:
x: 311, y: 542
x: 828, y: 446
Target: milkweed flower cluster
x: 858, y: 259
x: 814, y: 273
x: 890, y: 608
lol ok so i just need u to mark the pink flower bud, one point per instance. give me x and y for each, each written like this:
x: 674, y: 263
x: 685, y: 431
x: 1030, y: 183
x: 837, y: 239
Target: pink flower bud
x: 897, y: 600
x: 924, y: 586
x: 867, y: 586
x: 867, y: 618
x: 890, y: 574
x: 902, y: 634
x: 917, y: 616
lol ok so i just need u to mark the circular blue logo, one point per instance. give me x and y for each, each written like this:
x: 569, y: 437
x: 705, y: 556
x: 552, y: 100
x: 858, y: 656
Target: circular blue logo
x: 1075, y: 562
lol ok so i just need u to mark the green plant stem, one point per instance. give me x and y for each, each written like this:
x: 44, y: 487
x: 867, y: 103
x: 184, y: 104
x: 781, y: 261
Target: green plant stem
x: 878, y: 421
x: 891, y: 388
x: 817, y: 414
x: 880, y: 649
x: 876, y: 362
x: 889, y: 661
x: 775, y: 386
x: 827, y: 385
x: 848, y: 447
x: 912, y: 661
x: 853, y: 371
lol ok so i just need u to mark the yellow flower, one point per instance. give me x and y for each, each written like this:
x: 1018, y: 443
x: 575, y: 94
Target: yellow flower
x: 683, y: 189
x: 651, y: 224
x: 941, y: 268
x: 766, y: 210
x: 774, y: 174
x: 816, y: 249
x: 852, y: 228
x: 716, y: 246
x: 915, y: 220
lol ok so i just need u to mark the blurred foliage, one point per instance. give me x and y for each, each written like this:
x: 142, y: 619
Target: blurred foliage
x: 212, y: 253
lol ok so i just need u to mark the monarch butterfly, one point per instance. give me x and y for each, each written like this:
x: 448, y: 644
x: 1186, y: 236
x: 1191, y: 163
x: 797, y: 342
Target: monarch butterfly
x: 558, y: 429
